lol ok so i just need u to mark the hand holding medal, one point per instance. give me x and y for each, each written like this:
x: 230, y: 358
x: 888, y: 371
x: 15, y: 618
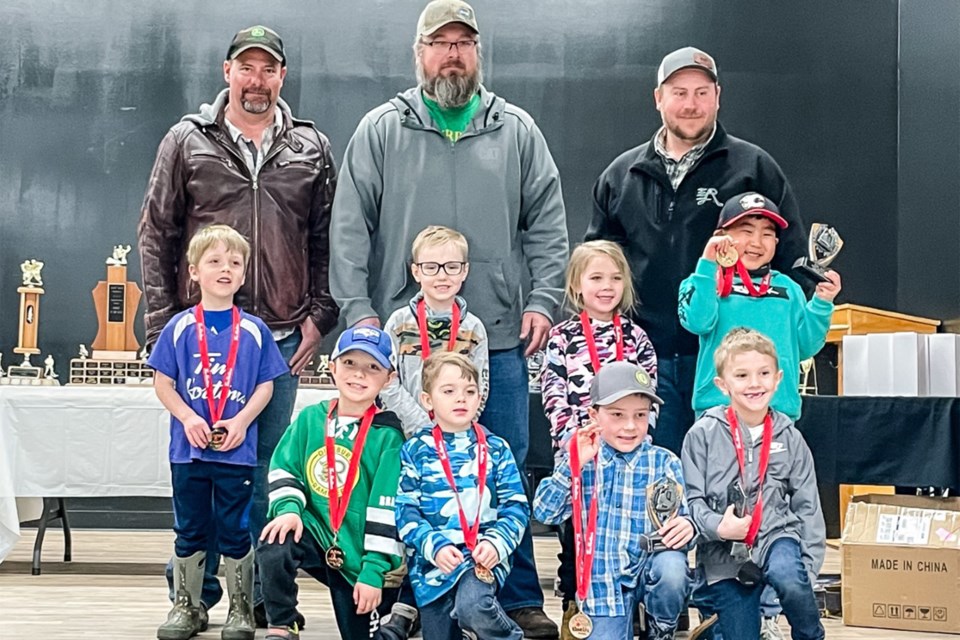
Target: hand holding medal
x: 720, y: 249
x: 483, y: 570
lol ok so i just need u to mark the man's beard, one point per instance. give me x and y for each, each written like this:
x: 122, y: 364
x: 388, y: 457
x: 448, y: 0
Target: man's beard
x: 697, y: 137
x: 451, y: 91
x: 258, y: 107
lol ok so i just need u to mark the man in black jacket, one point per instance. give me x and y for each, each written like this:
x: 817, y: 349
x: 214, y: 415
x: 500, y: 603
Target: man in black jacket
x: 661, y: 200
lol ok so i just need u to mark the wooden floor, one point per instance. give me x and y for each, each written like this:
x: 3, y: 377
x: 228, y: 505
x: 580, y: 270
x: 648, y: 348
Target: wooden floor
x: 114, y: 588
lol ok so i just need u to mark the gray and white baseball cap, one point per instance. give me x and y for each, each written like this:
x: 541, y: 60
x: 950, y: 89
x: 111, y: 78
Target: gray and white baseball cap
x: 620, y: 379
x: 686, y: 58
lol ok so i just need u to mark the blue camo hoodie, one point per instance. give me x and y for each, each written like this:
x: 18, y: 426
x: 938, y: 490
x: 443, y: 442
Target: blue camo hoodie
x: 427, y: 513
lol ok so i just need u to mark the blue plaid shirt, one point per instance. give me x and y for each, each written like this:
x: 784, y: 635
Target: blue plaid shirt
x: 621, y: 516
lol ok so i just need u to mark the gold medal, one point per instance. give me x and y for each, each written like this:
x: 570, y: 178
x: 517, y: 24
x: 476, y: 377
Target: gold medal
x: 728, y: 258
x: 580, y: 625
x: 484, y: 574
x: 334, y: 557
x: 217, y: 436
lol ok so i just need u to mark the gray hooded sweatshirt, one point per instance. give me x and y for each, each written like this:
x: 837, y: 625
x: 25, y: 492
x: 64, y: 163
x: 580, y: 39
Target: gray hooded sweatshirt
x: 791, y: 504
x: 498, y: 185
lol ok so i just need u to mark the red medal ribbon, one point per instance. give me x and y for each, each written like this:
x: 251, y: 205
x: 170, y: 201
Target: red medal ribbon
x: 584, y: 545
x: 592, y: 344
x: 338, y: 503
x: 425, y: 337
x: 725, y: 281
x: 470, y: 532
x: 216, y: 407
x: 757, y: 512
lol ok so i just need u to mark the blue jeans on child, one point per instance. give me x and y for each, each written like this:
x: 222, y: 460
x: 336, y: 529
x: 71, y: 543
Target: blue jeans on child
x: 675, y: 380
x: 271, y: 425
x: 507, y: 414
x: 738, y: 606
x: 470, y: 605
x: 663, y: 586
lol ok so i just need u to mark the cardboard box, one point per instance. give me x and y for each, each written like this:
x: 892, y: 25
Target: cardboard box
x: 943, y: 357
x: 901, y: 563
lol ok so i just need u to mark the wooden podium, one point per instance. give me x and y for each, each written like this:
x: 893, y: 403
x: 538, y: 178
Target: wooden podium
x: 855, y: 320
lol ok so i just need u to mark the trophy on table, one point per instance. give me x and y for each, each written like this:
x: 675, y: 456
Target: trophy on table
x: 30, y: 291
x: 114, y: 359
x: 663, y: 502
x: 323, y: 371
x: 824, y: 245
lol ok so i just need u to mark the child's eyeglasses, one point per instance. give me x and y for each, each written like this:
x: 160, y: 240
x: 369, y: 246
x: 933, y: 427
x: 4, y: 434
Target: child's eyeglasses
x: 433, y: 268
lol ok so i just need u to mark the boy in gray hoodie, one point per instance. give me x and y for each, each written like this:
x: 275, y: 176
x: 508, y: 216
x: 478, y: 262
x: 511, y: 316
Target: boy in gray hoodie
x: 752, y: 492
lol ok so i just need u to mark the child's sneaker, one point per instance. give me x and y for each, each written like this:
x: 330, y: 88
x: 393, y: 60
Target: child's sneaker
x: 770, y: 630
x: 292, y: 633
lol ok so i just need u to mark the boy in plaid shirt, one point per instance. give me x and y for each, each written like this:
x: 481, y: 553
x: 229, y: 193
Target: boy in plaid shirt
x: 616, y: 442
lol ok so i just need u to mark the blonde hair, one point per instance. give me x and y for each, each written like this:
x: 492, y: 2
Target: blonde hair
x: 581, y: 257
x: 741, y: 340
x: 435, y: 236
x: 208, y: 237
x: 439, y: 359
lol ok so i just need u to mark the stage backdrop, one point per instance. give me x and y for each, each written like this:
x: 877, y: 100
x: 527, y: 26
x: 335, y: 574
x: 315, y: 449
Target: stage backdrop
x: 88, y: 89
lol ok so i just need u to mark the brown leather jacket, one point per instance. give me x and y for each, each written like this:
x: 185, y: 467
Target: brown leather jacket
x: 199, y: 178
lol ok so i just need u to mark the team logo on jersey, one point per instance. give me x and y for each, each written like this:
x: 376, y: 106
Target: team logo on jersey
x: 707, y: 194
x: 317, y: 470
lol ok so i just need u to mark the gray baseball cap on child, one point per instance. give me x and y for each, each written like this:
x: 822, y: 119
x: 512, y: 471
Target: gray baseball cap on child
x: 620, y: 379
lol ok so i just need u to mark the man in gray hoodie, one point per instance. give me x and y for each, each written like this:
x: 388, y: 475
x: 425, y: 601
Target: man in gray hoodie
x: 450, y: 152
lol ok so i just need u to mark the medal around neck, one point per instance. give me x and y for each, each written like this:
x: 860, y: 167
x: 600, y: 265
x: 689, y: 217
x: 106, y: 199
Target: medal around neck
x: 728, y: 258
x: 823, y: 246
x: 580, y: 625
x: 334, y: 557
x: 663, y: 503
x: 484, y: 575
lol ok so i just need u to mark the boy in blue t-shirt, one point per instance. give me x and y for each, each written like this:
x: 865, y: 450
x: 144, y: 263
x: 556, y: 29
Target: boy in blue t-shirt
x: 215, y: 367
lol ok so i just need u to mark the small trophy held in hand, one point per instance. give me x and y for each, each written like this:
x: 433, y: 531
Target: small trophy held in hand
x: 749, y: 573
x: 824, y: 245
x: 663, y: 502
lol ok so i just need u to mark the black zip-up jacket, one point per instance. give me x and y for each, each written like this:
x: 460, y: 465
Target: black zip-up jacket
x: 663, y: 231
x: 200, y: 178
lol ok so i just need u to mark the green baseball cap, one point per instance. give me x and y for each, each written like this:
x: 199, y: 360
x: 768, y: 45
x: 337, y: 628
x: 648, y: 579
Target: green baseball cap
x: 257, y: 37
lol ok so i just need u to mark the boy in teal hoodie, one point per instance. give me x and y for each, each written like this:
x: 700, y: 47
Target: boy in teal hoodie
x: 734, y: 286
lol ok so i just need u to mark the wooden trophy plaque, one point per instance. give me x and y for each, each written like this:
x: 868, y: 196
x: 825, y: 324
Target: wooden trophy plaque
x: 115, y: 359
x: 116, y: 301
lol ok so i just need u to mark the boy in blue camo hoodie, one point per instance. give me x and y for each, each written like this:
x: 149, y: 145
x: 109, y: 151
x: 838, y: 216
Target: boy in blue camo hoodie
x: 460, y: 519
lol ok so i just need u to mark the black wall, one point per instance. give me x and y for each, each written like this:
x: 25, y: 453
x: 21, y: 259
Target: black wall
x: 88, y: 89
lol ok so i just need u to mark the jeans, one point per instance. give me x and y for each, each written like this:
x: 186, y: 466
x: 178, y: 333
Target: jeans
x: 279, y: 564
x: 470, y: 605
x: 507, y: 414
x: 664, y: 585
x: 271, y: 424
x: 738, y: 606
x: 675, y: 379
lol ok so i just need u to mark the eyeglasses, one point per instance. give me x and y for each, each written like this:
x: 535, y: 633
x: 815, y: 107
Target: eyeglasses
x: 462, y: 46
x: 433, y: 268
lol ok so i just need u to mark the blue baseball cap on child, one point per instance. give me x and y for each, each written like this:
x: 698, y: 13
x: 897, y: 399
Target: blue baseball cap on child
x: 371, y: 341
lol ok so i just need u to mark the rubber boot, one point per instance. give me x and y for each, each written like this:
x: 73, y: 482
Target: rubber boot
x: 240, y: 624
x: 183, y: 621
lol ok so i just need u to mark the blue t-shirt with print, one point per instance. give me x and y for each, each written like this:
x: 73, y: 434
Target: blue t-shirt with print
x: 177, y: 355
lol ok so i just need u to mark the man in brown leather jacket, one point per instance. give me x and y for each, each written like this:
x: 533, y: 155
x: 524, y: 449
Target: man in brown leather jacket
x: 247, y: 162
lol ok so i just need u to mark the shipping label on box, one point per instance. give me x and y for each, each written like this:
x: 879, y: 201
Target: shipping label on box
x: 901, y: 563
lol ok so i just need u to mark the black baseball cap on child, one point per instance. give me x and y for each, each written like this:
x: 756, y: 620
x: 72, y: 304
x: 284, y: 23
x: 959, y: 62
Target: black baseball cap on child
x: 750, y: 203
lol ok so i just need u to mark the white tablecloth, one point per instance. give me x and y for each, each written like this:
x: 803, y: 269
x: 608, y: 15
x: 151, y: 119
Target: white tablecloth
x: 77, y: 441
